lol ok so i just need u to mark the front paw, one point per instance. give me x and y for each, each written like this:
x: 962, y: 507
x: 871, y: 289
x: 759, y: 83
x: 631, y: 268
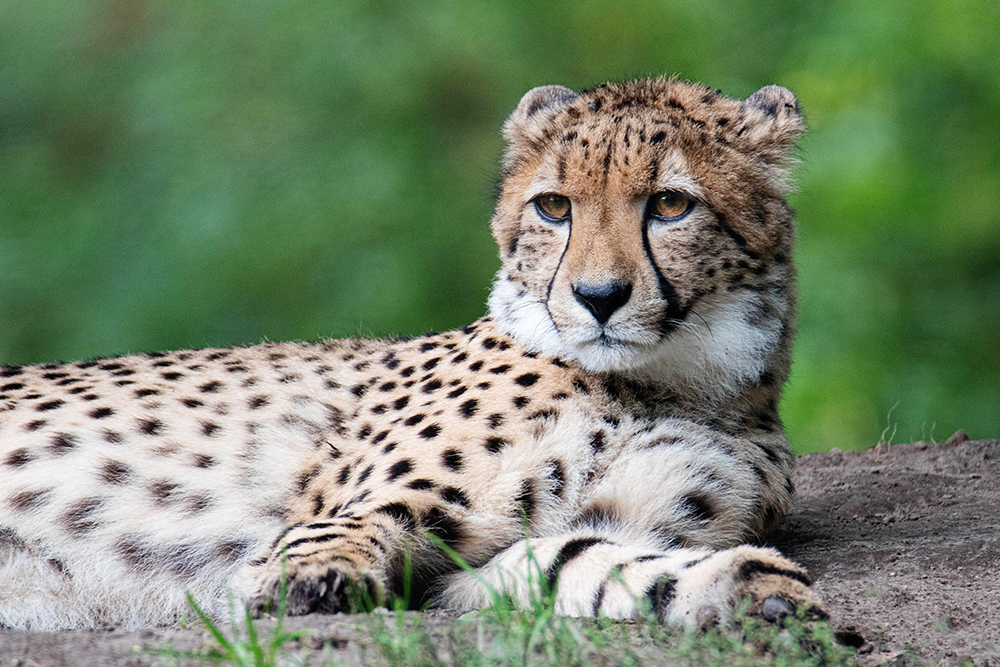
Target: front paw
x: 318, y: 588
x: 775, y: 586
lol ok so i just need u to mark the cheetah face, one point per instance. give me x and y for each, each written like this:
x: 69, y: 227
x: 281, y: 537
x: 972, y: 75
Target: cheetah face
x: 640, y: 223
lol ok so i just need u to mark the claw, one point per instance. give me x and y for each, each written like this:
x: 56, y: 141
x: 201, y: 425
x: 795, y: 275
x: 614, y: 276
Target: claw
x: 775, y: 609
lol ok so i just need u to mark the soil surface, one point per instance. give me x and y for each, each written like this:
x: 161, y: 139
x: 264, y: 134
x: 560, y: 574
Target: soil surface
x: 903, y: 543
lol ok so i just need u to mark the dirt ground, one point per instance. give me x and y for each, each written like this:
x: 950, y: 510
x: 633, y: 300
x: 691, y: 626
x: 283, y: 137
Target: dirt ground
x: 903, y: 542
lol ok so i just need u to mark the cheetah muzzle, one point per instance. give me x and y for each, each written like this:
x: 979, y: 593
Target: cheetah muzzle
x: 619, y: 403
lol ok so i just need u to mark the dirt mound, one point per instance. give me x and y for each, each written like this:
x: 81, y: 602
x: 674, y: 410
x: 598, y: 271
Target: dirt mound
x: 903, y: 543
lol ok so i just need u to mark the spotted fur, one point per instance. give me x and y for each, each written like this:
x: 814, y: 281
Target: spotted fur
x: 619, y: 403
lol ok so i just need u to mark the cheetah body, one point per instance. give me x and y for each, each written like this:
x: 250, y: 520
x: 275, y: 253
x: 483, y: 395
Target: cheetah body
x: 641, y: 435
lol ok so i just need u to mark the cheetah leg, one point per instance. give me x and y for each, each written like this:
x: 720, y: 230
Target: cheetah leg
x: 596, y: 574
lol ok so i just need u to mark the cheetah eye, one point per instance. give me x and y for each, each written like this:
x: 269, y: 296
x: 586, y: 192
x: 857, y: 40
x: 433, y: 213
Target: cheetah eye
x: 552, y: 207
x: 670, y: 205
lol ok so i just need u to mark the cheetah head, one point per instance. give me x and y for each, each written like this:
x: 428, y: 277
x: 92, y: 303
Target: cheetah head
x: 643, y: 229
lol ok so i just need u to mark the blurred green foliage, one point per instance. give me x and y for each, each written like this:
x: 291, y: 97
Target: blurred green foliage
x: 201, y: 172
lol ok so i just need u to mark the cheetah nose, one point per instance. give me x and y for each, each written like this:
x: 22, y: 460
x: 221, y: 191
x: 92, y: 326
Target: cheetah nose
x: 603, y: 299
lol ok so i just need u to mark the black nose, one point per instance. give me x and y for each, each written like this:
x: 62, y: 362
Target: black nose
x: 603, y: 299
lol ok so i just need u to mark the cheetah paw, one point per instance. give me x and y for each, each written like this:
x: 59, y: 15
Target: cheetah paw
x: 324, y: 590
x: 775, y: 586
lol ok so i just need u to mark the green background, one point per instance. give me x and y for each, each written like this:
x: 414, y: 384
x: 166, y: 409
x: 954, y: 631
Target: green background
x: 198, y: 173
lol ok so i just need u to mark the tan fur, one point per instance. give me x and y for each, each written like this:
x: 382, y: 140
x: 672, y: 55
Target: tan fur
x: 643, y: 437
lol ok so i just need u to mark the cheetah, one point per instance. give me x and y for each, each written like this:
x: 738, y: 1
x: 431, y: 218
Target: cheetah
x: 611, y: 425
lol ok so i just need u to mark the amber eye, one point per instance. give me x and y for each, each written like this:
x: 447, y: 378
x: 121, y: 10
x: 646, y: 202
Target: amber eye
x: 553, y: 207
x: 670, y: 204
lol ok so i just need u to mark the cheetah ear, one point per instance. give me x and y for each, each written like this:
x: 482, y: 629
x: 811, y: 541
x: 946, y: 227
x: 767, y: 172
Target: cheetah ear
x: 772, y: 124
x: 534, y: 111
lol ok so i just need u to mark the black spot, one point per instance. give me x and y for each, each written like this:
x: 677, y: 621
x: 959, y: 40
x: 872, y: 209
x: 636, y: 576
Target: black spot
x: 772, y: 456
x: 408, y: 371
x: 388, y: 386
x: 496, y: 420
x: 19, y: 457
x: 345, y: 474
x: 597, y: 516
x: 29, y: 500
x: 489, y: 343
x: 425, y: 347
x: 79, y: 518
x: 430, y: 432
x: 458, y: 391
x: 143, y: 393
x: 401, y: 402
x: 115, y: 472
x: 50, y: 405
x: 203, y: 461
x: 414, y: 420
x: 420, y: 484
x: 697, y: 506
x: 501, y: 369
x: 10, y: 371
x: 380, y: 436
x: 475, y: 366
x: 210, y: 387
x: 257, y: 402
x: 454, y: 496
x: 172, y: 375
x: 597, y: 441
x: 151, y: 426
x: 389, y: 447
x: 543, y: 414
x: 210, y: 429
x: 430, y: 363
x: 558, y: 475
x: 658, y: 138
x: 303, y: 480
x: 365, y: 474
x: 460, y: 357
x: 446, y: 528
x: 399, y: 468
x: 431, y: 386
x: 365, y: 431
x: 452, y: 459
x: 35, y: 425
x: 521, y: 401
x: 62, y: 443
x: 469, y: 408
x: 527, y: 379
x: 191, y: 402
x: 13, y: 386
x: 525, y: 501
x: 113, y: 437
x: 359, y: 390
x: 88, y: 397
x: 400, y: 512
x: 164, y: 491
